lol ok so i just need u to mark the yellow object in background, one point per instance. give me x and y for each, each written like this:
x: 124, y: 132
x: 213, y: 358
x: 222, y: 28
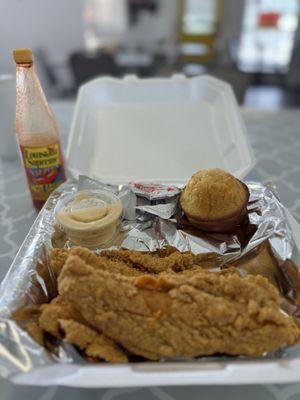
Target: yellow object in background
x: 199, y: 20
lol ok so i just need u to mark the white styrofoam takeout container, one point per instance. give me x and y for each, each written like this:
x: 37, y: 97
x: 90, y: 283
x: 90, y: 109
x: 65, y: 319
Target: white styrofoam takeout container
x: 160, y: 130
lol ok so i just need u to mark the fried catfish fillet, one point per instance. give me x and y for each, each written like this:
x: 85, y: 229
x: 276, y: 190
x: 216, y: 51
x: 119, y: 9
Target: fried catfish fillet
x: 61, y: 319
x: 152, y: 263
x: 28, y: 318
x: 125, y: 262
x: 169, y: 315
x: 95, y: 345
x: 51, y: 313
x: 57, y: 259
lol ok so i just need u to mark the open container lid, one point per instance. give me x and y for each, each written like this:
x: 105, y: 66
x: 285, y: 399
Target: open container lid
x: 159, y: 130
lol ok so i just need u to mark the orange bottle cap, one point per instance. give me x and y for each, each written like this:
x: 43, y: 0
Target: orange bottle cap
x: 23, y: 56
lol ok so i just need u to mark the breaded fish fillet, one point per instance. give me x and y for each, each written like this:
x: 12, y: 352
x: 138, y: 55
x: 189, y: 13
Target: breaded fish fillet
x: 169, y: 315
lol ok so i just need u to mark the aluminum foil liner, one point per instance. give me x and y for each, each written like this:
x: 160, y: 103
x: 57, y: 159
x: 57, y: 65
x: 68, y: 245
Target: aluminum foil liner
x: 150, y: 221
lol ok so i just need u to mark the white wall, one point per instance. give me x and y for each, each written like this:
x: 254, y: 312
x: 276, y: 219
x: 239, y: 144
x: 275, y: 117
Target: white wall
x: 54, y: 25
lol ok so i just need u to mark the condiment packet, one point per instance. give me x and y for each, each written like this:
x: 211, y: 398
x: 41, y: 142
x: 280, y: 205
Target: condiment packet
x: 154, y: 191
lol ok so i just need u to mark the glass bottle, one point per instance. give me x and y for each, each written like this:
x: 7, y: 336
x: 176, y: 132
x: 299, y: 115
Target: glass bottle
x: 37, y: 132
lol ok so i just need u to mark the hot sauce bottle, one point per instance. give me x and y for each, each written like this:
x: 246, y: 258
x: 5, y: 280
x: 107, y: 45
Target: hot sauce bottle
x: 37, y: 132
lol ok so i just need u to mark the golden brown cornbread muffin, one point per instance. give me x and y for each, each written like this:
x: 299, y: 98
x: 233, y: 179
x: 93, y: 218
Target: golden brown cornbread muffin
x: 213, y: 194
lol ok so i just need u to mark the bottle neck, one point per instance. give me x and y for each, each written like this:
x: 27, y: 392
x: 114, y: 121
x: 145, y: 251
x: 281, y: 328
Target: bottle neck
x: 33, y: 115
x: 25, y: 65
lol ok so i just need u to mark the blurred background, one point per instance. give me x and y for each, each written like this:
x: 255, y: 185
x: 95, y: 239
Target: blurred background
x: 252, y: 44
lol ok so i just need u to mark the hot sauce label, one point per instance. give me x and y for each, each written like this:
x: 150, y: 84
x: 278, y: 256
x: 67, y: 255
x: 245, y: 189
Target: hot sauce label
x: 44, y: 169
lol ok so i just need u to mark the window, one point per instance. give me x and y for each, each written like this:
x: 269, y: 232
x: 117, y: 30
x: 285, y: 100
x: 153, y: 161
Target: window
x: 106, y: 21
x: 267, y: 37
x: 198, y: 20
x: 199, y: 17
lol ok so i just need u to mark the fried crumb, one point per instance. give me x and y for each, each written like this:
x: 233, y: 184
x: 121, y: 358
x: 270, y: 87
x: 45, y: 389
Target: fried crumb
x: 77, y: 333
x: 35, y: 331
x: 106, y: 349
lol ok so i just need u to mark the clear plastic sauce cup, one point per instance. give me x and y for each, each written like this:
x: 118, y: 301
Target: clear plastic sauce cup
x: 90, y: 217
